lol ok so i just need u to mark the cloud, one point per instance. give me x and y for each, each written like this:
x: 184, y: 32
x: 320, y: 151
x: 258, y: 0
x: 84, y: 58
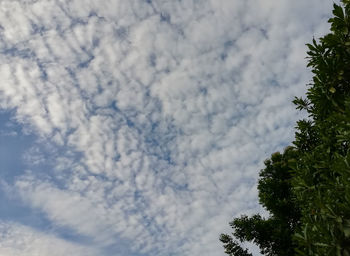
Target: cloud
x: 18, y: 240
x: 161, y: 112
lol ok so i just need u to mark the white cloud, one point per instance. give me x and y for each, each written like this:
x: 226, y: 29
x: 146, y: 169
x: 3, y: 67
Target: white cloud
x: 164, y: 110
x: 20, y: 240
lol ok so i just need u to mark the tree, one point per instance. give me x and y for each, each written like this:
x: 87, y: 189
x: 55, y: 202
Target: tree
x: 321, y: 181
x: 232, y: 247
x: 307, y: 188
x: 274, y: 234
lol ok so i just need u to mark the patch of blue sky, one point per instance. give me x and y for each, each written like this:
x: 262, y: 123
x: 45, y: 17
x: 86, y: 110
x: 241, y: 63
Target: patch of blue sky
x: 85, y: 64
x: 13, y: 209
x: 38, y: 29
x: 18, y: 52
x: 14, y: 162
x: 14, y: 144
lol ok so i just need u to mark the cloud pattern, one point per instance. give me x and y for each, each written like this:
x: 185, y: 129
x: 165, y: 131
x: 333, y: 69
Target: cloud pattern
x: 158, y: 115
x: 18, y: 240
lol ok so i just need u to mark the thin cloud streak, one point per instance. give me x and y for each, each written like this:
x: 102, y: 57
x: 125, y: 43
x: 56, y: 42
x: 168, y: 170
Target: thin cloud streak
x: 19, y: 240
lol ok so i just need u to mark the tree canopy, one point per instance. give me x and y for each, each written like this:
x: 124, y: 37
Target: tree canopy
x: 306, y: 189
x: 273, y: 234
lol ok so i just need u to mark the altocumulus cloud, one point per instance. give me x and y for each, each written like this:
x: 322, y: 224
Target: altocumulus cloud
x: 18, y: 240
x: 158, y: 115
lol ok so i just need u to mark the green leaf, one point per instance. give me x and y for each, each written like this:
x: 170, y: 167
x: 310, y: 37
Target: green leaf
x: 322, y: 244
x: 299, y: 236
x: 347, y: 231
x: 346, y: 228
x: 338, y: 11
x: 311, y: 47
x: 300, y: 252
x: 332, y: 89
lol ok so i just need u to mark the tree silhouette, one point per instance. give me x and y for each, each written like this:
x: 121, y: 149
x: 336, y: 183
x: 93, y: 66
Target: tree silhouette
x: 306, y: 189
x: 273, y: 235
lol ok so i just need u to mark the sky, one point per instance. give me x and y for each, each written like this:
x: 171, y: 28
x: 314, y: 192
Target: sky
x: 138, y: 127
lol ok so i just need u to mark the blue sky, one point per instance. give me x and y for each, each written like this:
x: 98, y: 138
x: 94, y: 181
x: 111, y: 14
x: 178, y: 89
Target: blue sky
x: 139, y: 127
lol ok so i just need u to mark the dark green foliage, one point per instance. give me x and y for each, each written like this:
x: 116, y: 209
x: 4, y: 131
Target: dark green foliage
x: 307, y: 188
x: 274, y: 234
x: 275, y: 192
x: 232, y: 247
x: 322, y: 174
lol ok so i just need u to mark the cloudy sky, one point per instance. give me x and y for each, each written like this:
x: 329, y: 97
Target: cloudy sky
x: 138, y: 127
